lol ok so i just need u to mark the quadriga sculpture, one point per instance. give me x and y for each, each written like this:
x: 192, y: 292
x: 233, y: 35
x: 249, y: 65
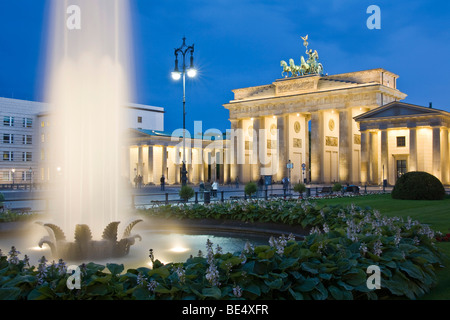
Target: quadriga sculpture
x: 84, y: 247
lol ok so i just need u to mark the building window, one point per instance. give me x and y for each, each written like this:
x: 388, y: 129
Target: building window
x: 42, y: 124
x: 401, y: 141
x: 8, y: 156
x: 26, y: 175
x: 42, y: 138
x: 27, y: 139
x: 6, y: 176
x: 27, y: 123
x: 8, y: 138
x: 139, y: 119
x: 401, y: 168
x: 27, y: 156
x: 8, y: 121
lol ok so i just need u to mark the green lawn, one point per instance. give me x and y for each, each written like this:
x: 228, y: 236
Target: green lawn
x: 435, y: 213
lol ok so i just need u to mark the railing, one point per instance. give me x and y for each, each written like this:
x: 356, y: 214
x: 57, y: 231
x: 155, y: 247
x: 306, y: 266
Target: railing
x: 165, y: 198
x: 151, y: 199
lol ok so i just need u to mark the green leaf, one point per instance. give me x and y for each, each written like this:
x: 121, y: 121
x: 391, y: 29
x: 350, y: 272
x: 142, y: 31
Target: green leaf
x: 287, y: 263
x: 212, y: 292
x: 355, y: 277
x: 308, y: 285
x: 98, y: 289
x: 141, y: 293
x: 411, y: 269
x: 336, y: 292
x: 115, y: 269
x: 253, y: 289
x: 296, y: 295
x: 275, y: 284
x: 310, y: 267
x: 9, y: 293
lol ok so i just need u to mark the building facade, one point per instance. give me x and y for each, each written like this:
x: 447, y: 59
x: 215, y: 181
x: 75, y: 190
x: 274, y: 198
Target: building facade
x: 19, y: 140
x: 309, y: 122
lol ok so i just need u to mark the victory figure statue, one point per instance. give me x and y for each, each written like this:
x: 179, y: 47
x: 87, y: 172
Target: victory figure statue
x: 309, y: 66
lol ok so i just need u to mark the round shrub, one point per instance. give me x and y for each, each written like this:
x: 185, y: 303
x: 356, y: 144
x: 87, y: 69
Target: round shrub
x: 337, y: 187
x: 417, y: 185
x: 300, y: 188
x: 250, y: 188
x: 186, y: 193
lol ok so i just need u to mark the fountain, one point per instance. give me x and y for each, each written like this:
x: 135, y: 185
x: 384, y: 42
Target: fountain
x: 87, y: 89
x: 84, y: 247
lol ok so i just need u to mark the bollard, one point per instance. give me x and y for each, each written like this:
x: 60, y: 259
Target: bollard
x: 265, y: 194
x: 365, y: 189
x: 308, y: 192
x: 167, y: 198
x: 222, y: 196
x: 196, y: 196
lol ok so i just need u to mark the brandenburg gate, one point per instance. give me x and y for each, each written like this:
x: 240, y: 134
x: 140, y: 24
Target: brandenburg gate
x: 307, y: 118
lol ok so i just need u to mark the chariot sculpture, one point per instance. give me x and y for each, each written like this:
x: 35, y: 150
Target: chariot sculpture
x: 309, y: 66
x: 84, y: 247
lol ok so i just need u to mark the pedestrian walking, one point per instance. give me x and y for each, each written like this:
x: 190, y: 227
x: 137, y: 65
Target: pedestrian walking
x: 163, y: 182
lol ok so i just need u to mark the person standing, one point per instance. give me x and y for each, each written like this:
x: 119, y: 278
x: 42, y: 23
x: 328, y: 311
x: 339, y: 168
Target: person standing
x: 237, y: 182
x: 201, y: 189
x: 163, y: 181
x: 260, y: 186
x: 215, y: 187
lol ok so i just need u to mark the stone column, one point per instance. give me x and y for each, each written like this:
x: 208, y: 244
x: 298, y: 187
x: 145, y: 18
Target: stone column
x: 384, y: 155
x: 373, y: 158
x: 437, y: 152
x: 307, y: 133
x: 365, y: 147
x: 255, y: 149
x: 317, y: 147
x: 412, y: 166
x: 240, y: 151
x: 282, y: 149
x: 164, y: 163
x: 444, y: 156
x: 140, y: 166
x: 345, y: 143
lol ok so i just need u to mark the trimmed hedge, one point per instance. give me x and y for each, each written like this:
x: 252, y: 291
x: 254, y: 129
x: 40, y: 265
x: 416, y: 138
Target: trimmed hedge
x: 417, y: 185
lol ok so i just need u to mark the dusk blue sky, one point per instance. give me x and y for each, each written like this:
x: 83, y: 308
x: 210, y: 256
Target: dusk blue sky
x: 239, y: 43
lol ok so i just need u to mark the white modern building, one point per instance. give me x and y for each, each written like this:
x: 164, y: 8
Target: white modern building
x: 24, y: 137
x: 19, y: 140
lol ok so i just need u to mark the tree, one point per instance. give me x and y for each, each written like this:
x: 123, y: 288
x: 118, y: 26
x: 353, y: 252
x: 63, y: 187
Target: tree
x: 250, y: 188
x: 300, y: 188
x: 186, y: 193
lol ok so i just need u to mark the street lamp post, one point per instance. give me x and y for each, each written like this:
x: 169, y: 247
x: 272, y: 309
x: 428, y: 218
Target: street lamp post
x: 176, y: 75
x: 31, y: 177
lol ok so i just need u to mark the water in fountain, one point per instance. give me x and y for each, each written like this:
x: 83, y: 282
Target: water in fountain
x: 88, y: 87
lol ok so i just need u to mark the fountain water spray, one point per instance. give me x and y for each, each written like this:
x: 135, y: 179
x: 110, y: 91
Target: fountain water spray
x: 88, y: 89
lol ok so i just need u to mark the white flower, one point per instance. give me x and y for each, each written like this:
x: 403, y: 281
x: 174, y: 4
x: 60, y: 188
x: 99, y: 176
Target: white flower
x: 363, y: 248
x: 13, y: 256
x: 248, y: 248
x: 151, y: 286
x: 237, y: 291
x: 377, y: 248
x: 212, y: 275
x: 181, y: 274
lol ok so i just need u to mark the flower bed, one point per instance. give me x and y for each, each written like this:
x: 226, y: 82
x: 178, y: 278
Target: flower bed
x: 329, y: 263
